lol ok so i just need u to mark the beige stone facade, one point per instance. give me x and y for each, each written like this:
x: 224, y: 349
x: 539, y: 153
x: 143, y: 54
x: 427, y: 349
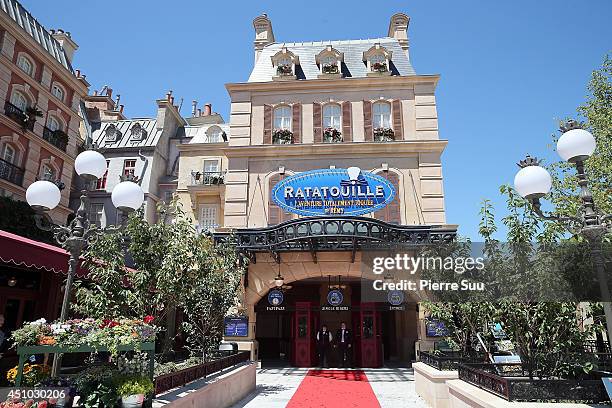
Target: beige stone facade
x: 252, y: 162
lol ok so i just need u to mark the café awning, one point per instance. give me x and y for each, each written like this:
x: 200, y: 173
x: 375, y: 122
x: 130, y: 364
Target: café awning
x: 30, y: 254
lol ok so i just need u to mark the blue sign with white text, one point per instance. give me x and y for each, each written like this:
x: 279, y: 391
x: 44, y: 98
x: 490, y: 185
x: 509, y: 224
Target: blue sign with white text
x: 236, y: 326
x: 333, y: 192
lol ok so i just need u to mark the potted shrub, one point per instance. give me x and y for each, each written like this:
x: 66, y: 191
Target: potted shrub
x: 282, y: 136
x: 383, y: 134
x: 332, y: 135
x: 133, y: 389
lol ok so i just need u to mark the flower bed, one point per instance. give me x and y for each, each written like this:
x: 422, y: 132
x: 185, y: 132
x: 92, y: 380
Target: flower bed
x: 95, y: 333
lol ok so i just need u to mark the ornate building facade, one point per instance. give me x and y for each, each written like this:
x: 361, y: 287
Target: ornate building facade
x: 320, y: 105
x: 42, y: 93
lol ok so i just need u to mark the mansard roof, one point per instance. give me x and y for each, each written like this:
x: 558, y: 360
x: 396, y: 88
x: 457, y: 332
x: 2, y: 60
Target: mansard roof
x: 352, y: 67
x: 152, y: 136
x: 34, y: 29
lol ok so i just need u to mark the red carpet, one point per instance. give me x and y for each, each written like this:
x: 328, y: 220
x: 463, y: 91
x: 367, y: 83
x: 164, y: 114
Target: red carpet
x: 334, y: 389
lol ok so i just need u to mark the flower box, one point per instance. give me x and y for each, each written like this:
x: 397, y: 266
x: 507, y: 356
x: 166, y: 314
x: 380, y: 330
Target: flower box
x: 332, y: 135
x: 384, y: 135
x: 330, y: 69
x: 380, y: 67
x: 284, y: 70
x: 282, y: 136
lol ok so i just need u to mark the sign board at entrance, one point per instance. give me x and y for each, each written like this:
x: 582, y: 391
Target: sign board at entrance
x: 236, y: 326
x: 333, y: 192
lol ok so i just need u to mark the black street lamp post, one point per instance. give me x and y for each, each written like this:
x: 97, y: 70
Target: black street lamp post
x: 533, y: 182
x: 44, y: 195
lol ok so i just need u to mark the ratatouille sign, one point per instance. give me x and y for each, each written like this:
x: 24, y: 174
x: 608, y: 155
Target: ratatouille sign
x: 333, y: 192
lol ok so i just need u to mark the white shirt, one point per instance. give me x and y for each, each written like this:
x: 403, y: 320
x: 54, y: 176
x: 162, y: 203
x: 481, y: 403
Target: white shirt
x: 329, y: 333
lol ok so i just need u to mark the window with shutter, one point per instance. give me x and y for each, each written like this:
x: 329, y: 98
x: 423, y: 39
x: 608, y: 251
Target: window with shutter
x: 317, y: 125
x: 397, y: 120
x: 276, y: 215
x: 392, y: 212
x: 367, y: 121
x: 297, y: 123
x: 347, y: 135
x: 267, y: 136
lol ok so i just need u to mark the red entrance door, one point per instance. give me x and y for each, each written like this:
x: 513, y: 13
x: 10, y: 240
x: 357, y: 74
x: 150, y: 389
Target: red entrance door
x: 303, y: 335
x: 370, y: 336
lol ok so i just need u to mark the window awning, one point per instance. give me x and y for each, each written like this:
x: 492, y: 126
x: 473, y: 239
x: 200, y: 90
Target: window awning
x: 27, y: 253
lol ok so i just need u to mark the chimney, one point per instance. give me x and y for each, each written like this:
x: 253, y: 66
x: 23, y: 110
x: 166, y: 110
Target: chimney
x: 398, y: 29
x: 64, y: 39
x: 263, y: 34
x: 199, y: 113
x: 194, y: 107
x: 207, y: 109
x: 109, y: 92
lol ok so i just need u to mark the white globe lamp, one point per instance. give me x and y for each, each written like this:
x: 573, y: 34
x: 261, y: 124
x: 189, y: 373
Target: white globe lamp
x: 532, y: 182
x: 43, y: 195
x: 576, y: 145
x: 127, y: 196
x: 90, y: 165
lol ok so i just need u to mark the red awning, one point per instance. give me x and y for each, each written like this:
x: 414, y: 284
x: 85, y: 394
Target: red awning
x: 27, y: 253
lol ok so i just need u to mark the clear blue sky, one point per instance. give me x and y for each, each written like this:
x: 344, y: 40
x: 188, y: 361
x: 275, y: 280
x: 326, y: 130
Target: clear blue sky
x: 509, y: 69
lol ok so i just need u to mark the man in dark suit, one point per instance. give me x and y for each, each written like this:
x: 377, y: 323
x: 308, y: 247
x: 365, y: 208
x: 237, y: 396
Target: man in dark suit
x: 344, y: 341
x: 324, y: 339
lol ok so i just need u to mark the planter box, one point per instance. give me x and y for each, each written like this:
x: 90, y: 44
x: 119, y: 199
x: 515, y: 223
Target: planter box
x: 511, y: 383
x: 464, y: 395
x: 221, y: 392
x: 431, y: 385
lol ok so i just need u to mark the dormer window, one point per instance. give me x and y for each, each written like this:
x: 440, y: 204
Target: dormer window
x: 330, y: 63
x: 215, y: 134
x: 111, y: 134
x: 378, y: 60
x: 284, y: 63
x: 137, y: 133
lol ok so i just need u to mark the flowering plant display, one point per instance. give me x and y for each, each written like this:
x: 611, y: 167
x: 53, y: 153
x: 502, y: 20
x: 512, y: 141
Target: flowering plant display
x: 284, y: 69
x: 382, y: 134
x: 379, y: 67
x: 332, y: 135
x: 18, y: 403
x: 32, y: 374
x: 96, y: 333
x: 282, y: 136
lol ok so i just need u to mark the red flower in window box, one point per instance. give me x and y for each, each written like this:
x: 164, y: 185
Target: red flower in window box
x: 148, y: 319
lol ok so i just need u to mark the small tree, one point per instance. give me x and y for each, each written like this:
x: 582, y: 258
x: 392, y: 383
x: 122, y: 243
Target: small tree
x: 213, y: 291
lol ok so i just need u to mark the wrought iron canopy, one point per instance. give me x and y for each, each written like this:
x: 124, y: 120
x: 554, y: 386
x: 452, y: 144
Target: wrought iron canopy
x: 339, y: 233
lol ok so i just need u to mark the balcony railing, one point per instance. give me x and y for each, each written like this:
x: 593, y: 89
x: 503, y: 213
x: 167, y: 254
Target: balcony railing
x: 207, y: 178
x: 18, y: 116
x: 57, y: 138
x: 10, y: 172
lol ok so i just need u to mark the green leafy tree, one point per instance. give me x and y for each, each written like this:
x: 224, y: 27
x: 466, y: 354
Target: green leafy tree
x: 173, y: 268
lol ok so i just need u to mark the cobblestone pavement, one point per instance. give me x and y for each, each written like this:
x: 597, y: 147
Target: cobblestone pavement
x: 394, y: 387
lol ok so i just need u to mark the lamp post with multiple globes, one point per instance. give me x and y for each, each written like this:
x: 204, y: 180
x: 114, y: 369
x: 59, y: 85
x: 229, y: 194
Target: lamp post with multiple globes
x: 44, y: 195
x: 533, y: 182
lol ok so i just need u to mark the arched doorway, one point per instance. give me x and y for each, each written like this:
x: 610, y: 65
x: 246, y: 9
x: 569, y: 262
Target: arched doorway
x: 286, y: 332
